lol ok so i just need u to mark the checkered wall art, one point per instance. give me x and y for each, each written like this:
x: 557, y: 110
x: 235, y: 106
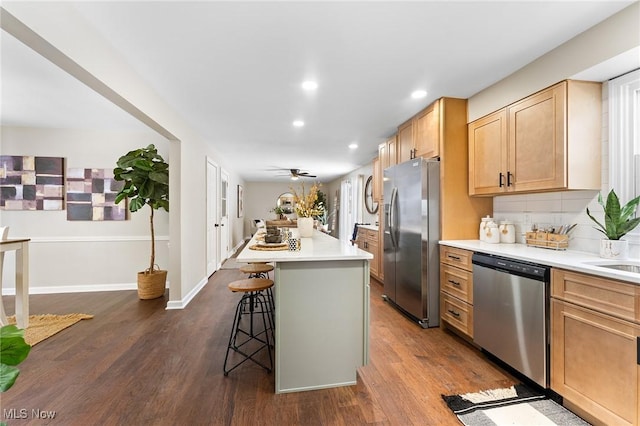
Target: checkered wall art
x: 91, y: 194
x: 31, y: 183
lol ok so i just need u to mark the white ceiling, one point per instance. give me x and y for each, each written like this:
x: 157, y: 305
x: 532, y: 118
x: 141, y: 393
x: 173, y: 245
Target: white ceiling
x: 233, y: 70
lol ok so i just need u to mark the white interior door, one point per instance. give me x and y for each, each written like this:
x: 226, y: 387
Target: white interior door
x: 224, y: 214
x: 213, y: 225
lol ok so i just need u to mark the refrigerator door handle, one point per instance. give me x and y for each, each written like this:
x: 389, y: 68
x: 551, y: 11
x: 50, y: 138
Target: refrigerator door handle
x: 392, y: 216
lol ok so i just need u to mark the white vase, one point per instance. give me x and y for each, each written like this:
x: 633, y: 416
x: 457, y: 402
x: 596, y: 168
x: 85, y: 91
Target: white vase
x: 305, y: 227
x: 614, y: 249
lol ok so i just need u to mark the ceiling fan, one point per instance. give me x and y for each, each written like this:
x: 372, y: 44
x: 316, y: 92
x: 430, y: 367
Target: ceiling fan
x: 296, y: 173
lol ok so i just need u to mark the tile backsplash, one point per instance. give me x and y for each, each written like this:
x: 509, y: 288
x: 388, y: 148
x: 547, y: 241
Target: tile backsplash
x: 557, y: 208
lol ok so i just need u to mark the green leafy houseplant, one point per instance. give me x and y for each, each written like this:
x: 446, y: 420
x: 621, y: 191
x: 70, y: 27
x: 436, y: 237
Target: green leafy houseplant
x: 278, y: 211
x: 13, y: 350
x: 146, y: 182
x: 618, y: 221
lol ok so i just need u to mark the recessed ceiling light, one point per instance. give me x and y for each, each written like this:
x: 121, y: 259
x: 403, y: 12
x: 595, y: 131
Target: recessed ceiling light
x: 419, y: 94
x: 298, y: 123
x: 353, y: 145
x: 309, y: 85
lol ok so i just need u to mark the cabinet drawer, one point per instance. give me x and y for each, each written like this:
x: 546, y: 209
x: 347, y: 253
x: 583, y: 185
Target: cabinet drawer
x: 611, y: 297
x: 457, y: 282
x: 456, y: 257
x: 456, y: 313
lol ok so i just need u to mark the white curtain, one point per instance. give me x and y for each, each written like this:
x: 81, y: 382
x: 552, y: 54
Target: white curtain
x: 624, y: 140
x: 346, y: 209
x: 351, y: 205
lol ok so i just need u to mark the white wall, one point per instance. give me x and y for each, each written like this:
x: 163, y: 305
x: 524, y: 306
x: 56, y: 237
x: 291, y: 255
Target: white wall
x: 83, y: 255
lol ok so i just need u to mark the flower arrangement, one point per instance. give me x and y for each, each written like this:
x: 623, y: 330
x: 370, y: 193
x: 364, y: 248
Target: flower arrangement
x: 306, y: 204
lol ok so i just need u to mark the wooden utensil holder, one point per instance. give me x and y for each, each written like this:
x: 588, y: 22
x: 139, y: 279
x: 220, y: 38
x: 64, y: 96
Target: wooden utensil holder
x: 547, y: 240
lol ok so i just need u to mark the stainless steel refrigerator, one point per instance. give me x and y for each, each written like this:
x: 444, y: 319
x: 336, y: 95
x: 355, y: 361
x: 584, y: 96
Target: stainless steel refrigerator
x: 411, y: 234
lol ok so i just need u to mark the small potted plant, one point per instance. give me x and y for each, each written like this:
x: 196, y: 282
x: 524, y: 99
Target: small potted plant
x: 618, y: 221
x: 146, y: 182
x: 279, y: 211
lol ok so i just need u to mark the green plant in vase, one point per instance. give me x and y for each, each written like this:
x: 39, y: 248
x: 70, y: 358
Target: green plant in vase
x: 618, y: 221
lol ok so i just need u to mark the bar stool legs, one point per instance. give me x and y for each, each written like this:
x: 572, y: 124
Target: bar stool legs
x: 248, y: 340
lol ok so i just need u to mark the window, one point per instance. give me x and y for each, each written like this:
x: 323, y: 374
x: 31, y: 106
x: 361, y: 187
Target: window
x: 624, y: 138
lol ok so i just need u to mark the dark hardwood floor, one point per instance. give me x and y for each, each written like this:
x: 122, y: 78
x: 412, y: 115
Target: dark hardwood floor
x: 136, y: 363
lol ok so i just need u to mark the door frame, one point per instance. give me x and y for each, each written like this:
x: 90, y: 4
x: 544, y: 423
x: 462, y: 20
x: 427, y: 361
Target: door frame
x: 213, y: 216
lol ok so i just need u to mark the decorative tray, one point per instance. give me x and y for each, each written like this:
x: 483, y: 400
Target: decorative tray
x: 270, y: 246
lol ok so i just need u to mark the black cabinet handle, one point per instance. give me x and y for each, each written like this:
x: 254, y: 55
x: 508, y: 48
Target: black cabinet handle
x: 501, y: 179
x: 509, y: 175
x: 453, y: 257
x: 454, y: 283
x: 638, y: 348
x: 454, y: 313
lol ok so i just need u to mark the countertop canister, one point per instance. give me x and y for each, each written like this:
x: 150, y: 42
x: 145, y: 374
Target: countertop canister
x: 483, y: 227
x: 507, y: 232
x: 492, y: 234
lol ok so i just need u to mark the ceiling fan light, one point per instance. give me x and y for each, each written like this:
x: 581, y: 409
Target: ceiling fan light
x: 294, y: 177
x: 298, y: 123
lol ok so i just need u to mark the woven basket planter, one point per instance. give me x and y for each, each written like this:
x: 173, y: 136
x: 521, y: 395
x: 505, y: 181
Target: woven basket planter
x: 151, y: 285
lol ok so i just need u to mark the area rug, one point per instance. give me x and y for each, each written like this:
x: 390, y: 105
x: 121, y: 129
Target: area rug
x: 517, y: 405
x: 42, y: 327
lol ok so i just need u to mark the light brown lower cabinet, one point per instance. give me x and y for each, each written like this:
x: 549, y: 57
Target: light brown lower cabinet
x: 456, y: 290
x: 594, y: 353
x: 367, y: 240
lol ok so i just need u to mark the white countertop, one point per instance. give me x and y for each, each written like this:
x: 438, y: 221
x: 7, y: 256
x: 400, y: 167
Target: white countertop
x: 566, y: 259
x: 320, y: 247
x: 370, y: 227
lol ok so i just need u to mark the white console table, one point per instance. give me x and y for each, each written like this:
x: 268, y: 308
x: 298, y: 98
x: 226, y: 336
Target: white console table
x: 21, y: 247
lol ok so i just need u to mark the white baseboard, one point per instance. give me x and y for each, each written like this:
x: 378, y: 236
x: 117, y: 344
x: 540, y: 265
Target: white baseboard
x: 181, y: 304
x: 90, y: 288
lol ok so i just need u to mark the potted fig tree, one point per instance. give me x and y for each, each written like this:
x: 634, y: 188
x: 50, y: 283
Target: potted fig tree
x: 146, y: 182
x: 618, y: 221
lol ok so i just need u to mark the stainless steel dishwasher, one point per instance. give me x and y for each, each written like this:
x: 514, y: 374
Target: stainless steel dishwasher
x: 510, y: 306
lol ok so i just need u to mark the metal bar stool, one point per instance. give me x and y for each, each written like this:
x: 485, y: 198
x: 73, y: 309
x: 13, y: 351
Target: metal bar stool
x: 255, y: 303
x: 257, y: 270
x: 261, y: 270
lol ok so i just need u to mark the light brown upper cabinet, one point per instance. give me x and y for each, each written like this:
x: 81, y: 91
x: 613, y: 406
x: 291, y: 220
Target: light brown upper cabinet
x: 387, y: 153
x: 426, y: 132
x: 548, y: 141
x: 420, y: 136
x: 405, y: 141
x: 377, y: 180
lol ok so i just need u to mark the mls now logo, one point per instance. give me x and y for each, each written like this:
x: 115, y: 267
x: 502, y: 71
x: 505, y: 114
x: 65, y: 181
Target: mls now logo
x: 23, y: 413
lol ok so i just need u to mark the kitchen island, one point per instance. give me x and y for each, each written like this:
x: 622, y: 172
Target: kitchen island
x: 322, y: 312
